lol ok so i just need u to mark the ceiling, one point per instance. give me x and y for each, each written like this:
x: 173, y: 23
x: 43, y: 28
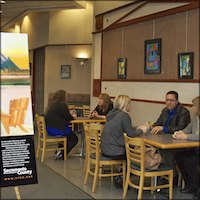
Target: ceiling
x: 14, y: 10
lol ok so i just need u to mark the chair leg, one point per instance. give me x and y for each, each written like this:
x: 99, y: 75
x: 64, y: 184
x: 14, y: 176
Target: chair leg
x: 65, y: 149
x: 85, y: 165
x: 152, y: 184
x: 87, y: 170
x: 100, y: 170
x: 126, y: 184
x: 140, y: 192
x: 94, y: 186
x: 124, y: 173
x: 43, y: 151
x: 38, y: 148
x: 171, y: 185
x: 112, y: 169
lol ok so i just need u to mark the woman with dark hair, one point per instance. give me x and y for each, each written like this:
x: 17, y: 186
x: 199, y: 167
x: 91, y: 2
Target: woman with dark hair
x: 57, y: 117
x: 104, y: 106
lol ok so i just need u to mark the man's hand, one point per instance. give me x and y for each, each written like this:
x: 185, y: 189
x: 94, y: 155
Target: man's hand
x: 156, y: 129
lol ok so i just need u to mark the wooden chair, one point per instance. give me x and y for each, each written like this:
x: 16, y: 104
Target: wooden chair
x: 135, y: 165
x: 86, y: 111
x: 90, y: 126
x: 94, y: 157
x: 44, y: 140
x: 17, y: 114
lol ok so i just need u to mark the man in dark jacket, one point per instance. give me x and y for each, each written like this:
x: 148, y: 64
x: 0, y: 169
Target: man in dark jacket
x: 174, y: 116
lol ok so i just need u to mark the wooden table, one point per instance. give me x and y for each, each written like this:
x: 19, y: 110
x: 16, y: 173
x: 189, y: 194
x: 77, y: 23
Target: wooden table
x: 80, y: 120
x: 166, y: 141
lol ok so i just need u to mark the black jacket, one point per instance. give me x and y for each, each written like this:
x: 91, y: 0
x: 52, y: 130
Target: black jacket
x: 58, y: 116
x: 179, y: 121
x: 101, y: 112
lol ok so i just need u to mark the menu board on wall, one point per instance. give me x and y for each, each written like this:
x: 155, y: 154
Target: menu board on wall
x: 17, y: 158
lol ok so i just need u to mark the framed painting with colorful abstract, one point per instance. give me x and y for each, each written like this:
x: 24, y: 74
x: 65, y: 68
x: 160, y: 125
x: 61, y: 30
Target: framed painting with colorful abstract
x: 185, y: 65
x: 152, y: 56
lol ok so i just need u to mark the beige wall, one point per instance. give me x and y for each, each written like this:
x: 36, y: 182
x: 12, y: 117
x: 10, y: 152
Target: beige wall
x: 71, y: 26
x: 37, y: 27
x: 66, y: 28
x: 80, y: 80
x: 104, y: 6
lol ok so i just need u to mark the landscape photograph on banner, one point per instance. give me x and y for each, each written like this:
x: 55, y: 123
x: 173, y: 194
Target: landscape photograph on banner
x: 16, y: 105
x: 14, y: 59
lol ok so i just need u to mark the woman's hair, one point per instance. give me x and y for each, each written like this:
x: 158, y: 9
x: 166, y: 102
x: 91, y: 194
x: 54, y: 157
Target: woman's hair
x: 196, y: 102
x: 58, y: 96
x: 121, y: 102
x: 106, y: 100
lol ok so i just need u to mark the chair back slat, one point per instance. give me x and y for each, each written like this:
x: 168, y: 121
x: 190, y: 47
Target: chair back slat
x: 41, y: 126
x: 92, y: 134
x: 135, y: 151
x: 86, y: 110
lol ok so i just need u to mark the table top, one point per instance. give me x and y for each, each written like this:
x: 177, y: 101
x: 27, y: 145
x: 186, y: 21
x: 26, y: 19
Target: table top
x: 166, y: 141
x: 87, y: 120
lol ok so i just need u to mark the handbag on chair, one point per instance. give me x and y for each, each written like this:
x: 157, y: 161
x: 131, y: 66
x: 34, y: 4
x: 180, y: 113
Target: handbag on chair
x: 152, y: 158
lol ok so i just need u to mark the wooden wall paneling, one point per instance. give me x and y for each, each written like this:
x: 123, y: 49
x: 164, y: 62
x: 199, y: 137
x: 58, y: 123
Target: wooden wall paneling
x: 179, y: 32
x: 99, y: 23
x: 191, y: 6
x: 172, y: 30
x: 96, y: 87
x: 193, y: 38
x: 134, y: 37
x: 112, y: 49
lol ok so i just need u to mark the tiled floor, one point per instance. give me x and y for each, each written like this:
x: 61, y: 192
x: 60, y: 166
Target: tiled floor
x: 71, y: 169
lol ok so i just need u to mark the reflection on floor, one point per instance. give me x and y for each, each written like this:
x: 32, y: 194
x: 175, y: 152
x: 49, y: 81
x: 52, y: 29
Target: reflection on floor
x: 71, y: 169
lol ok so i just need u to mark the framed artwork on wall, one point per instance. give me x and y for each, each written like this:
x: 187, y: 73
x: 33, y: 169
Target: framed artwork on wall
x: 152, y: 56
x: 65, y: 71
x: 185, y: 65
x: 122, y: 68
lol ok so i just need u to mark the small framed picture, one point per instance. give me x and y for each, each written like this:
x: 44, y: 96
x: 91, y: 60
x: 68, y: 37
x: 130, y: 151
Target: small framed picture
x: 152, y: 56
x: 65, y: 71
x: 185, y: 65
x: 121, y: 68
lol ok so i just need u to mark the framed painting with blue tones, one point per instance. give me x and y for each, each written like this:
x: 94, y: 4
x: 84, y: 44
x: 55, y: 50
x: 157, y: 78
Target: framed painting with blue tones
x: 185, y: 65
x: 152, y: 56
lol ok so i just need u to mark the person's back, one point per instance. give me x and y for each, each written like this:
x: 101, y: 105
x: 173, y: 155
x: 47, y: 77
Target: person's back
x: 118, y: 122
x: 58, y: 116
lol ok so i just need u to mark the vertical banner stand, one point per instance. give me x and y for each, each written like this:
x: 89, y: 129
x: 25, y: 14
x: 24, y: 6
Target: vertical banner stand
x: 17, y: 193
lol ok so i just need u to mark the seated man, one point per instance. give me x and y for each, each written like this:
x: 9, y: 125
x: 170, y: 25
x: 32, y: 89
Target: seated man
x: 188, y: 159
x: 174, y: 116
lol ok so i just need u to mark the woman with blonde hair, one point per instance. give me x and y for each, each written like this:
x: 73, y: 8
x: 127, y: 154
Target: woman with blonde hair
x: 118, y: 122
x: 104, y: 106
x: 188, y: 159
x: 57, y: 117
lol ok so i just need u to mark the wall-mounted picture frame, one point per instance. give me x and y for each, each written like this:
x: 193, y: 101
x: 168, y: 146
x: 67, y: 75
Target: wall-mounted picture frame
x: 65, y: 71
x: 152, y: 56
x: 185, y: 65
x: 121, y: 68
